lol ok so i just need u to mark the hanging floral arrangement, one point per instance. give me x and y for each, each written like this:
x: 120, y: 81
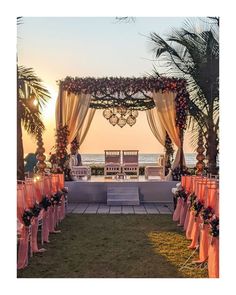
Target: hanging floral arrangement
x: 169, y: 152
x: 207, y: 214
x: 197, y: 207
x: 214, y: 226
x: 62, y: 134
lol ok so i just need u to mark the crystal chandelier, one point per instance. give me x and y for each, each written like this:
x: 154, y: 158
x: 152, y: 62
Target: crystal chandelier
x: 120, y: 116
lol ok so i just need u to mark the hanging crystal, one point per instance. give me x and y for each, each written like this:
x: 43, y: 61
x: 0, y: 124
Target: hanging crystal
x: 134, y: 113
x: 121, y: 121
x: 107, y: 113
x: 114, y: 110
x: 131, y: 120
x: 122, y: 110
x: 113, y: 120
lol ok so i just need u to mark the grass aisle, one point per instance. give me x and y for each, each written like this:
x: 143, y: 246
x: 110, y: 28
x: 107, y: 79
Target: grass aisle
x: 114, y: 246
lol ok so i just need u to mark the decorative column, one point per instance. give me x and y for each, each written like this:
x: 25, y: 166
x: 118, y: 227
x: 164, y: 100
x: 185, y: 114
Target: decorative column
x: 200, y: 156
x: 169, y: 151
x: 61, y: 145
x: 41, y: 165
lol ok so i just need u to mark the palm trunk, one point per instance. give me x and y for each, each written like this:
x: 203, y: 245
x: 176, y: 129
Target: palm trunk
x: 20, y: 151
x: 212, y: 149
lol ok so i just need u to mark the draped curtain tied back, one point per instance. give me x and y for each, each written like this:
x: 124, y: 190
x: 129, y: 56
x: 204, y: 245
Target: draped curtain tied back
x: 163, y: 119
x: 75, y: 113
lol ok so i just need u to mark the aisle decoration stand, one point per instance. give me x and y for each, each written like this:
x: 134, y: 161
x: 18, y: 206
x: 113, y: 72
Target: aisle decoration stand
x: 41, y: 202
x: 200, y: 220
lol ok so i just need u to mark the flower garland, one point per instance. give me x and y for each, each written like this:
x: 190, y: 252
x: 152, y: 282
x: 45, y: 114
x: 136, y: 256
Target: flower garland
x: 64, y: 190
x: 214, y: 226
x: 56, y: 198
x: 181, y: 107
x: 61, y: 145
x: 36, y: 209
x: 177, y: 173
x: 207, y: 214
x: 197, y: 207
x: 169, y: 151
x: 45, y: 203
x: 181, y: 194
x: 27, y: 217
x: 116, y: 88
x: 192, y: 198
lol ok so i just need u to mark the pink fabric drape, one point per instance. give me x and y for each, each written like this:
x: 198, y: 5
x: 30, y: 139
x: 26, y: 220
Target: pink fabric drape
x: 45, y: 228
x: 38, y: 187
x: 213, y: 258
x: 22, y: 259
x: 195, y: 233
x: 51, y: 219
x: 190, y: 225
x: 23, y: 247
x: 204, y: 230
x: 199, y: 184
x: 34, y: 233
x: 176, y: 214
x: 29, y: 194
x: 188, y: 181
x: 187, y: 218
x: 183, y: 213
x: 204, y: 237
x: 55, y: 183
x: 61, y: 181
x: 183, y: 182
x: 47, y: 185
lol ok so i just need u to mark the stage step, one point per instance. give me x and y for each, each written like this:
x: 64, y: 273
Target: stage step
x: 122, y: 195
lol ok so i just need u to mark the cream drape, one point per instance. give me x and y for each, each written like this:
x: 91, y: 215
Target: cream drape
x: 85, y: 127
x: 165, y: 106
x: 156, y: 126
x: 75, y: 114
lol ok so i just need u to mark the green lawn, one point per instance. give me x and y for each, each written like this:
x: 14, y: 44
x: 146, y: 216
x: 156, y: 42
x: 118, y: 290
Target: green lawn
x: 114, y: 246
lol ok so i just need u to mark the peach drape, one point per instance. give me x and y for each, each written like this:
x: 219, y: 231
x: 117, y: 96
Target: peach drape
x: 156, y: 126
x: 165, y: 106
x: 75, y: 114
x: 22, y: 255
x: 85, y: 127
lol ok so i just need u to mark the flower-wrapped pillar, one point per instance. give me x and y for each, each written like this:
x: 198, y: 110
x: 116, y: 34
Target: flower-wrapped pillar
x: 41, y: 165
x: 61, y: 144
x: 169, y: 152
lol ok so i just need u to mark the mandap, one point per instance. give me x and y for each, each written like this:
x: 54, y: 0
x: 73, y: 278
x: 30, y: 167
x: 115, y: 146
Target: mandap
x: 165, y: 101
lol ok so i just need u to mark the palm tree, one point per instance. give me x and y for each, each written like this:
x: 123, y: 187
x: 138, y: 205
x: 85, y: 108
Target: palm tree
x: 194, y: 55
x: 31, y: 96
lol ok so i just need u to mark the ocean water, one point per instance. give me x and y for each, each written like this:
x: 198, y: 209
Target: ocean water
x: 99, y: 159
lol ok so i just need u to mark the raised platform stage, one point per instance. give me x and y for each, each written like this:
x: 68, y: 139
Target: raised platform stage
x: 95, y: 190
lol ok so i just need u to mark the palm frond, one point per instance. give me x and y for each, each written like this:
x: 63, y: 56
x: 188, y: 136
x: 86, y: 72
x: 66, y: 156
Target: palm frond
x: 30, y: 84
x: 30, y: 118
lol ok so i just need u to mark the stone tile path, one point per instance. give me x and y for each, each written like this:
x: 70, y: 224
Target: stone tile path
x: 100, y: 208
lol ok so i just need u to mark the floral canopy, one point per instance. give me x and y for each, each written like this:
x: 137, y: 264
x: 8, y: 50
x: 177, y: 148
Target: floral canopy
x: 134, y: 93
x: 165, y: 101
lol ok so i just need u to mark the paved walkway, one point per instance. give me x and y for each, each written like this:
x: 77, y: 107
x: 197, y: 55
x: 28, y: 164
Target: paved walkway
x: 98, y: 208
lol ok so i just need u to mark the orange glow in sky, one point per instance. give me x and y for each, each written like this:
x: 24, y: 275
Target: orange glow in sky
x: 57, y: 47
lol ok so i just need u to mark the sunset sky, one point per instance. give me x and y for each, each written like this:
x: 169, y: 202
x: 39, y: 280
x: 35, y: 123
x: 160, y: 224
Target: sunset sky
x: 97, y: 46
